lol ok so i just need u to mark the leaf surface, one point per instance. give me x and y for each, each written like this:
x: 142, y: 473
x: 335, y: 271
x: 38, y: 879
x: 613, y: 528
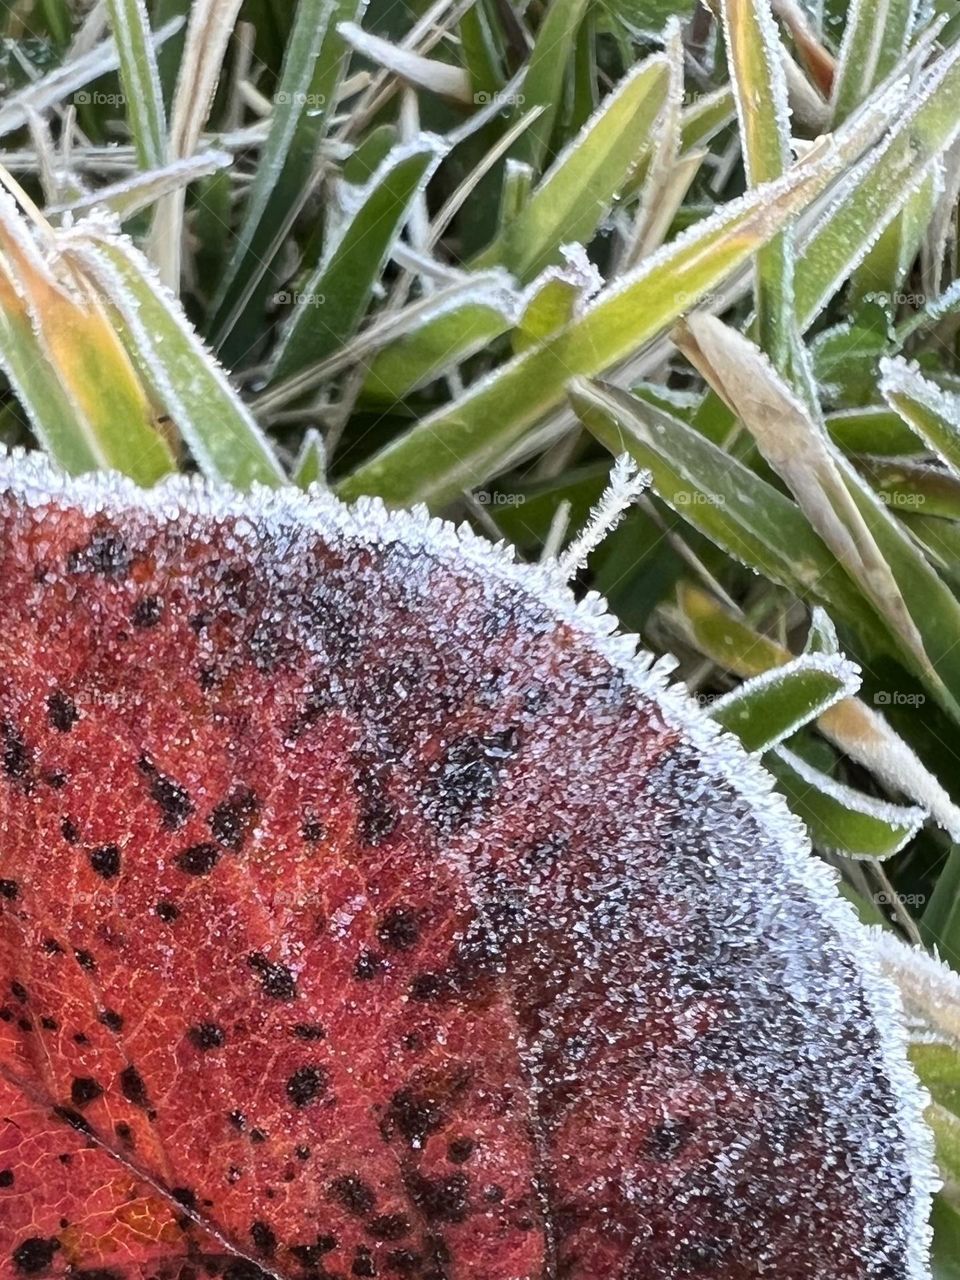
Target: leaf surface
x: 331, y: 948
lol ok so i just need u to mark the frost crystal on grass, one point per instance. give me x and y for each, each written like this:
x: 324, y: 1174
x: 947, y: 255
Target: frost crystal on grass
x: 408, y: 923
x: 626, y: 484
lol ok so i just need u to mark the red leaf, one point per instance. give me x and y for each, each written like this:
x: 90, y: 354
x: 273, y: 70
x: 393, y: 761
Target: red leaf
x: 367, y: 910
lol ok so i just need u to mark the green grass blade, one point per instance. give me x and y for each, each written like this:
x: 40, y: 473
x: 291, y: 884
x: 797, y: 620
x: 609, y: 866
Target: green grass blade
x: 940, y: 923
x: 772, y: 707
x: 62, y: 81
x: 315, y: 59
x: 439, y: 344
x: 721, y: 498
x: 598, y: 162
x: 873, y: 429
x: 53, y: 419
x: 141, y: 80
x: 839, y: 818
x: 929, y: 411
x: 939, y: 1066
x: 906, y: 487
x: 545, y: 74
x: 194, y: 392
x: 877, y: 189
x: 332, y: 302
x: 131, y: 195
x: 461, y: 444
x: 874, y: 39
x: 480, y: 54
x: 756, y: 65
x: 311, y: 465
x: 891, y: 259
x: 851, y: 725
x: 726, y: 640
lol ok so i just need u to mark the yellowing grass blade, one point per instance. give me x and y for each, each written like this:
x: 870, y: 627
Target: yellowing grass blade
x: 172, y: 361
x: 78, y: 387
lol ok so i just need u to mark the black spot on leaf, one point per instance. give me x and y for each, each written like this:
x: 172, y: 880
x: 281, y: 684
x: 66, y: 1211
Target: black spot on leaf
x: 85, y: 1090
x: 440, y: 1199
x: 354, y: 1194
x: 399, y: 928
x: 112, y: 1020
x: 233, y: 818
x: 62, y: 711
x: 427, y: 987
x: 389, y: 1226
x: 363, y: 1264
x: 16, y: 753
x: 306, y: 1085
x: 199, y: 859
x: 206, y: 1036
x: 173, y: 799
x: 309, y: 1031
x: 244, y: 1269
x: 105, y: 861
x: 34, y: 1255
x: 460, y: 1150
x: 263, y: 1238
x: 313, y: 830
x: 377, y: 815
x: 105, y: 553
x: 132, y: 1087
x: 147, y: 612
x: 277, y: 980
x: 465, y: 778
x: 669, y: 1138
x: 73, y: 1118
x: 414, y: 1115
x: 368, y: 966
x: 404, y: 1263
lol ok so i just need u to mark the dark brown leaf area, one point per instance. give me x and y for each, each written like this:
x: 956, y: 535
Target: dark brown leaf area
x: 357, y: 918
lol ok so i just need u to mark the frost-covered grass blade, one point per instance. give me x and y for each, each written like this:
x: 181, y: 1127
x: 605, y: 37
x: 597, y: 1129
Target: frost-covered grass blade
x: 173, y: 363
x: 130, y: 24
